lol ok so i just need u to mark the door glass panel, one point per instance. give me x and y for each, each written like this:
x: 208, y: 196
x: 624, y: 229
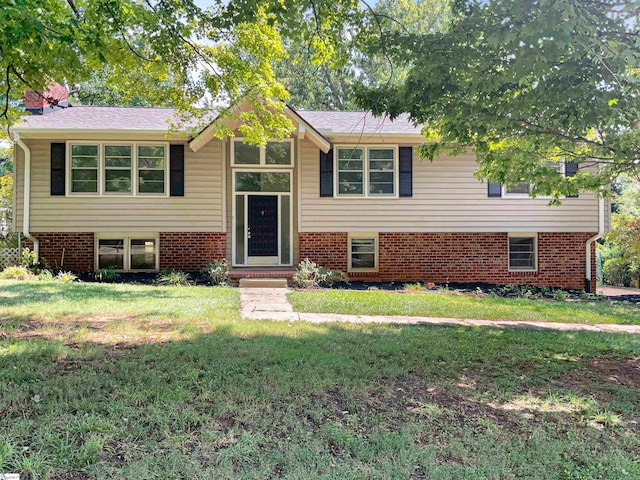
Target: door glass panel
x: 285, y: 229
x: 278, y: 153
x: 263, y: 182
x: 240, y: 229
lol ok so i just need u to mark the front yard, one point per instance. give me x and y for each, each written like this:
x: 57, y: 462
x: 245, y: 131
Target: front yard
x: 123, y: 381
x: 434, y: 304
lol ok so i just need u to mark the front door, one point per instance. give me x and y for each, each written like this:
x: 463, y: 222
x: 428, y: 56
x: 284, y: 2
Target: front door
x: 262, y: 233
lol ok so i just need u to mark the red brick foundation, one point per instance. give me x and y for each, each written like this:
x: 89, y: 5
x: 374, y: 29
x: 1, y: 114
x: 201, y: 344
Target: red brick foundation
x: 191, y: 251
x: 69, y: 251
x: 457, y: 258
x: 186, y: 251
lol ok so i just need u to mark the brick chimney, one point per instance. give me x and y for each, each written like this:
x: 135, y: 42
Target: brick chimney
x: 40, y: 103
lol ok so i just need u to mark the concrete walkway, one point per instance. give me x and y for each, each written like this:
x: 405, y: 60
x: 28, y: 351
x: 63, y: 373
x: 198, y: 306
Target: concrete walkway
x: 618, y: 291
x: 272, y: 304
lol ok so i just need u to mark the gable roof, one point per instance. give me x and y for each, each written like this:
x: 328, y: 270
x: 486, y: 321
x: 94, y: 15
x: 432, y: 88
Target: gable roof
x: 207, y: 134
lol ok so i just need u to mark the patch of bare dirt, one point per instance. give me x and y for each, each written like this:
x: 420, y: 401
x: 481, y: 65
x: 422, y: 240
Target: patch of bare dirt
x: 64, y: 475
x: 601, y: 373
x: 113, y: 452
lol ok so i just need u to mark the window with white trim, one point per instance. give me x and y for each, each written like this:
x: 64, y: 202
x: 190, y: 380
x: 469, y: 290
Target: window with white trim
x: 104, y: 168
x: 274, y: 154
x: 85, y: 165
x: 118, y: 160
x: 351, y: 171
x: 367, y: 171
x: 111, y: 253
x: 363, y: 252
x: 520, y: 189
x: 127, y: 254
x: 151, y: 168
x: 523, y: 252
x: 523, y: 188
x: 142, y: 254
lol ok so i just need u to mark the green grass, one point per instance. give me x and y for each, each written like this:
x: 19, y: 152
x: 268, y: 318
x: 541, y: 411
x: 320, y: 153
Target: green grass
x: 459, y: 306
x: 228, y: 398
x: 98, y: 311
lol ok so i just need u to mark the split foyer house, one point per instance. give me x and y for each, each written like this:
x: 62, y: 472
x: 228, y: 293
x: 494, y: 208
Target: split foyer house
x: 108, y: 187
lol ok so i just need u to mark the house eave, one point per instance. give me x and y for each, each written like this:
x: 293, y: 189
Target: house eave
x: 304, y: 130
x: 390, y: 138
x: 90, y: 133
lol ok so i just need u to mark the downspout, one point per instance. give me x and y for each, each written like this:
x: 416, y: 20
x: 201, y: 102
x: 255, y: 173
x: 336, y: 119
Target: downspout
x: 588, y: 279
x: 26, y: 206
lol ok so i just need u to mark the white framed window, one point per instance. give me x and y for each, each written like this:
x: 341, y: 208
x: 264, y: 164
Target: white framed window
x: 143, y: 254
x: 108, y: 168
x: 366, y: 171
x: 110, y: 253
x: 363, y: 252
x: 265, y: 181
x: 118, y: 165
x: 523, y: 189
x: 351, y: 171
x: 152, y: 169
x: 523, y: 252
x: 137, y: 252
x: 84, y: 168
x: 274, y: 154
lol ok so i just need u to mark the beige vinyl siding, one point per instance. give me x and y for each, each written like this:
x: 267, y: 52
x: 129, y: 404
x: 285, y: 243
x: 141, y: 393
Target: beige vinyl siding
x: 446, y: 198
x: 200, y: 210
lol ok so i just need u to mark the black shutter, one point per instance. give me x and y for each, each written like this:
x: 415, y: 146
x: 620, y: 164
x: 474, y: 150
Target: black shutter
x: 58, y: 153
x: 406, y: 171
x: 495, y: 189
x: 176, y: 173
x: 570, y: 169
x: 326, y: 173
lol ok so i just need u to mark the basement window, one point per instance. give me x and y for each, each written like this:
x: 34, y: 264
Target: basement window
x: 128, y: 254
x: 363, y: 252
x: 523, y: 252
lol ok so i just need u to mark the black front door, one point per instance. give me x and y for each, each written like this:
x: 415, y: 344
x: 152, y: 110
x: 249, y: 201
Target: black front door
x: 263, y: 226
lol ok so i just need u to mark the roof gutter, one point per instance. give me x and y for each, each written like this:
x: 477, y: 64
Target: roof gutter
x: 26, y: 206
x: 588, y: 280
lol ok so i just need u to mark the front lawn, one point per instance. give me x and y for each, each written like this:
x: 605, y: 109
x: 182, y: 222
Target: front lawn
x: 227, y: 398
x: 110, y: 312
x: 433, y: 304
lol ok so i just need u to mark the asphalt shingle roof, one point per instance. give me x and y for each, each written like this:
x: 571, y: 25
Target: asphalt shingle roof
x: 328, y: 122
x: 160, y: 119
x: 101, y: 118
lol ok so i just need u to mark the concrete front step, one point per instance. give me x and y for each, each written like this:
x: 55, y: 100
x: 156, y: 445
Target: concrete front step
x: 263, y: 283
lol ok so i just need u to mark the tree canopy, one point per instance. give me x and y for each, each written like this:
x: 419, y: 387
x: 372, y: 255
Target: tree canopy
x: 185, y: 54
x: 525, y: 83
x: 328, y: 86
